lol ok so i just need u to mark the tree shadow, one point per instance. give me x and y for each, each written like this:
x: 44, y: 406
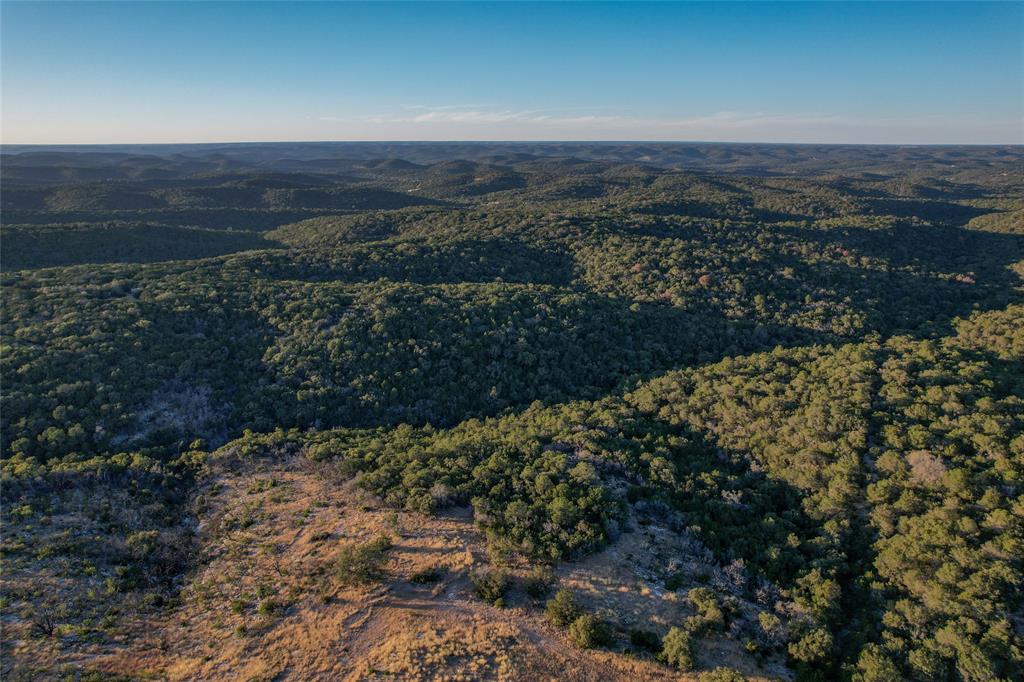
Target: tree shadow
x: 420, y: 262
x: 942, y: 212
x: 52, y: 246
x: 442, y: 354
x: 916, y: 279
x: 942, y: 248
x: 738, y: 513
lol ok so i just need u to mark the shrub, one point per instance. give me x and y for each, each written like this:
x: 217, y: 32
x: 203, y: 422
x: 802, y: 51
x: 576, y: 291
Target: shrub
x: 589, y: 632
x: 722, y: 675
x: 709, y: 613
x: 645, y: 639
x: 96, y: 676
x: 428, y: 576
x: 153, y: 599
x: 675, y: 581
x: 875, y: 666
x: 141, y: 544
x: 259, y: 485
x: 539, y: 582
x: 703, y: 599
x: 562, y: 609
x: 813, y: 645
x: 126, y: 578
x: 677, y: 649
x: 490, y: 584
x: 360, y: 564
x: 441, y: 496
x: 772, y: 632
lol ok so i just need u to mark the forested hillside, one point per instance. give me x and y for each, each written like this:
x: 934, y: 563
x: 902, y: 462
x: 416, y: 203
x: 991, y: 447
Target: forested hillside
x: 800, y: 367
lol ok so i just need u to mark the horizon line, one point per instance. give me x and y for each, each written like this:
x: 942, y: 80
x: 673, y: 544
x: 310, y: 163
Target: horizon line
x: 518, y: 141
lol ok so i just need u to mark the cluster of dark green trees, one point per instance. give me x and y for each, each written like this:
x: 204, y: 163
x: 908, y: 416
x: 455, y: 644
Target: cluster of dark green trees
x: 820, y: 380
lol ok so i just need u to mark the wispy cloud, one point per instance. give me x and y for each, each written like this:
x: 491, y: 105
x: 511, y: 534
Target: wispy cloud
x: 738, y: 120
x: 557, y: 118
x: 488, y: 116
x: 452, y: 121
x: 445, y: 107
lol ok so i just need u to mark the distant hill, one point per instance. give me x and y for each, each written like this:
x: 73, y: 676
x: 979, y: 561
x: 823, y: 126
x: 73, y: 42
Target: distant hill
x: 56, y: 163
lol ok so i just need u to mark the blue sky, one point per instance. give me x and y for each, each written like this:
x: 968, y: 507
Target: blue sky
x: 799, y: 72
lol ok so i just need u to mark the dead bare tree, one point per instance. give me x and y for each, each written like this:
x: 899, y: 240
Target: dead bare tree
x: 44, y: 621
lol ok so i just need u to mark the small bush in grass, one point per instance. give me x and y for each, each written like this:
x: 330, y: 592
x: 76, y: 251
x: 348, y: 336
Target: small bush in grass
x: 142, y: 544
x: 268, y: 607
x: 539, y: 582
x: 773, y: 633
x: 703, y: 599
x: 360, y: 564
x: 675, y: 581
x: 96, y: 676
x: 589, y: 632
x: 722, y: 675
x: 645, y: 639
x: 562, y: 609
x: 677, y: 649
x: 428, y: 576
x: 709, y: 613
x: 153, y: 600
x: 259, y: 485
x: 490, y: 584
x: 127, y: 578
